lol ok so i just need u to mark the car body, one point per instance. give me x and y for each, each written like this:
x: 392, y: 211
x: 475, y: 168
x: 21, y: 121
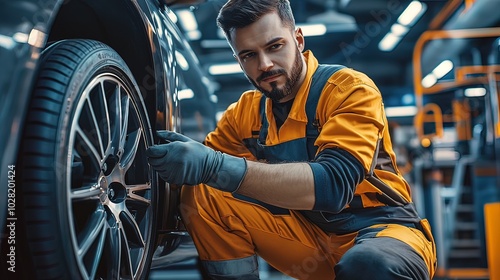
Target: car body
x: 84, y: 86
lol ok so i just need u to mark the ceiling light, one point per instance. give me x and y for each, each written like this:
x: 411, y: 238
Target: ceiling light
x: 439, y: 72
x: 225, y: 69
x: 389, y: 42
x: 401, y: 111
x: 23, y: 37
x: 312, y: 29
x: 442, y: 69
x: 398, y: 29
x: 412, y: 13
x: 475, y: 92
x: 189, y: 24
x: 188, y: 20
x: 7, y: 42
x: 193, y: 35
x: 429, y: 80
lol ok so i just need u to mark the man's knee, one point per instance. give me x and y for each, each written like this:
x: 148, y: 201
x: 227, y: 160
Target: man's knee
x: 360, y: 264
x: 385, y: 262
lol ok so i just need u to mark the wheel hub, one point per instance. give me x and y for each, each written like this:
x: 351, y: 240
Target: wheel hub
x: 116, y: 192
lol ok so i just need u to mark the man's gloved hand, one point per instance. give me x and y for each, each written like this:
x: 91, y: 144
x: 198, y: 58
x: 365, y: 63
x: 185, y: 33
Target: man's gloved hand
x: 183, y: 161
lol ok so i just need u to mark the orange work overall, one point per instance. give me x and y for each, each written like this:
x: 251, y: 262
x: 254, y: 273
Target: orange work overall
x: 362, y: 241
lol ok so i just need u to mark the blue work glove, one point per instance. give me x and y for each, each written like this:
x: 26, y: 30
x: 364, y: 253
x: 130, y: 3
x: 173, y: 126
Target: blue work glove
x: 183, y: 161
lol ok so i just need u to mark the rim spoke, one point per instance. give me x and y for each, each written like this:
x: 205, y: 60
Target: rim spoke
x: 131, y: 195
x: 96, y: 126
x: 131, y: 229
x: 124, y: 114
x: 92, y: 232
x: 131, y: 149
x: 117, y: 118
x: 114, y: 256
x: 102, y: 91
x: 88, y: 144
x: 86, y: 192
x: 127, y: 258
x: 101, y: 242
x: 77, y: 170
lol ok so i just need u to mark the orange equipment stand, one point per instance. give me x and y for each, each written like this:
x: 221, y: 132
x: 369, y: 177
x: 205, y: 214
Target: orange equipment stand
x: 492, y: 227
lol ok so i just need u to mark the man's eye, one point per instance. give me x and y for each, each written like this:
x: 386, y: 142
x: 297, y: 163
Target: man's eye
x: 276, y: 46
x: 247, y: 56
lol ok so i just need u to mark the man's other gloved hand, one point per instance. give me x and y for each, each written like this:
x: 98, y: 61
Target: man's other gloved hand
x: 183, y: 161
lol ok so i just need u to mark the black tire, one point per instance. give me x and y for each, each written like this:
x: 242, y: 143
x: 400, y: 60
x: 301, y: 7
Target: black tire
x: 89, y: 195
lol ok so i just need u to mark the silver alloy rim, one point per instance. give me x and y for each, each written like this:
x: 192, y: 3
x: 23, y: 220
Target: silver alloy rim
x: 109, y: 205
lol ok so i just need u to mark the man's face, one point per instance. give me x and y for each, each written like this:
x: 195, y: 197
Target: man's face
x: 270, y: 55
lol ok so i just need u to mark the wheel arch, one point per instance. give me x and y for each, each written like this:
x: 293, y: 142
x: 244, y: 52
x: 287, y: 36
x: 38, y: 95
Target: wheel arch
x: 121, y: 25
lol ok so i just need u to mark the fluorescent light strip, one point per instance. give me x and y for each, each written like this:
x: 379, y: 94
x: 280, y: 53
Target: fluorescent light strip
x: 442, y: 69
x: 475, y: 92
x: 310, y: 30
x: 188, y: 20
x: 401, y: 111
x: 225, y: 69
x: 389, y: 42
x: 7, y: 42
x: 193, y: 35
x: 412, y: 13
x: 398, y: 30
x: 429, y: 80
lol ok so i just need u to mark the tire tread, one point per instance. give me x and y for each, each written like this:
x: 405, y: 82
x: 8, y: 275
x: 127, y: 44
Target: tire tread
x: 40, y: 132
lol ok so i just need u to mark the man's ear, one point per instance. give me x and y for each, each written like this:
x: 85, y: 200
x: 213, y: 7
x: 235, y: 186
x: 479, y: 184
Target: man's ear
x: 299, y: 37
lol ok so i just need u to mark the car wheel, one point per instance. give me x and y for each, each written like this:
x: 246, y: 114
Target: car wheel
x: 89, y: 195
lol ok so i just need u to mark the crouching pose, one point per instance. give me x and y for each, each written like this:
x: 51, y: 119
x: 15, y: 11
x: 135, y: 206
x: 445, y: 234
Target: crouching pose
x: 299, y: 171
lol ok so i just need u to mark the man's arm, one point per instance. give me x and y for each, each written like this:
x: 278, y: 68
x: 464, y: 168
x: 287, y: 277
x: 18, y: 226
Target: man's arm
x: 183, y: 161
x: 327, y: 184
x: 287, y: 185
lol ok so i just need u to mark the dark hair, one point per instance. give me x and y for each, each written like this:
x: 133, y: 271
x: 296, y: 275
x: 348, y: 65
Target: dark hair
x: 240, y: 13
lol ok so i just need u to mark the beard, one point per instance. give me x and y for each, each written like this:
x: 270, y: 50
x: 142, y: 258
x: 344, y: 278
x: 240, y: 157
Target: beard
x: 276, y: 94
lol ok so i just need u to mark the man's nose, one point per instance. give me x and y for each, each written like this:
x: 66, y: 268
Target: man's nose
x: 265, y: 63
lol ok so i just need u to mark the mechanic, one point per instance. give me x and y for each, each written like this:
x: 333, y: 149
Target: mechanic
x: 299, y: 171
